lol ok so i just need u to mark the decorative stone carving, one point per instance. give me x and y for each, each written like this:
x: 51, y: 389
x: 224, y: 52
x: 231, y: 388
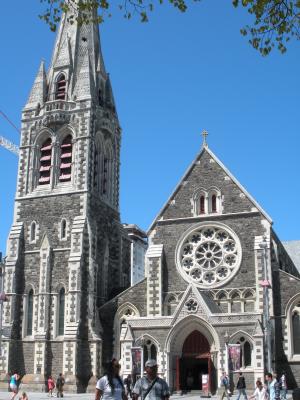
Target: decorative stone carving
x: 209, y: 255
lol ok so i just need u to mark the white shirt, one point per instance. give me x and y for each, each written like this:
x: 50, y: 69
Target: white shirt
x: 104, y: 386
x: 261, y: 394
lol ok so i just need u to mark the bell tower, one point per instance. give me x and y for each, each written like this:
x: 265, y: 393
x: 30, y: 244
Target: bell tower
x: 66, y: 252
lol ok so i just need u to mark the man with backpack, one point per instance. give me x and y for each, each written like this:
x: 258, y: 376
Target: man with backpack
x: 60, y: 385
x: 224, y: 386
x: 241, y: 387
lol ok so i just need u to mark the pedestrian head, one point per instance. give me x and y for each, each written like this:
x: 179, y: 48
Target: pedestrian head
x: 269, y: 377
x: 151, y: 368
x: 240, y: 373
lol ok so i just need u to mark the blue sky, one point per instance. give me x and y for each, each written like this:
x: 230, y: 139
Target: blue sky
x: 171, y: 78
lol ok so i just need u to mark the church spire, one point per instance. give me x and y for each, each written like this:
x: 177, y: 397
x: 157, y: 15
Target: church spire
x: 38, y: 92
x: 77, y: 46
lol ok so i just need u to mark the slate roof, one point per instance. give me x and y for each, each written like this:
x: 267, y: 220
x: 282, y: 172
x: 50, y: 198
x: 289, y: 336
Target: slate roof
x: 293, y: 249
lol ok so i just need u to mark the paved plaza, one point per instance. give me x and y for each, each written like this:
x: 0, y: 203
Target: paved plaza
x: 90, y: 396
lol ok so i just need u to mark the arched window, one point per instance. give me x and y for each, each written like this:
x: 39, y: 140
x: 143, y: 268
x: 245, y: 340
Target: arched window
x: 33, y: 231
x: 45, y: 162
x: 246, y: 353
x: 236, y: 303
x: 171, y: 305
x: 296, y: 332
x: 213, y: 203
x: 222, y: 301
x: 61, y: 85
x: 61, y: 312
x: 63, y: 229
x: 149, y: 351
x: 29, y: 326
x: 249, y: 301
x: 66, y: 159
x: 104, y: 180
x: 202, y: 205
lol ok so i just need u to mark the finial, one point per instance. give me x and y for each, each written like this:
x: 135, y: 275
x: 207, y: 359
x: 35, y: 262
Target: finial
x: 204, y: 134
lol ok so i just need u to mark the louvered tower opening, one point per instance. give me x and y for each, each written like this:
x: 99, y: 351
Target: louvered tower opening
x: 61, y: 86
x: 66, y: 159
x: 45, y: 162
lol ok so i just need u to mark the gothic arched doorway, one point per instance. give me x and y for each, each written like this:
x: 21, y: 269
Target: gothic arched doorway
x: 194, y: 362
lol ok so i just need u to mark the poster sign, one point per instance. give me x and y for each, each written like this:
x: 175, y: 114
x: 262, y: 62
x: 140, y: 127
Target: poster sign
x: 234, y: 355
x: 136, y: 357
x: 205, y: 384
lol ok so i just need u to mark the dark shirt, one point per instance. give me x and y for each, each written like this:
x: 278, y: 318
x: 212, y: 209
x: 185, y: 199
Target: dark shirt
x: 241, y: 384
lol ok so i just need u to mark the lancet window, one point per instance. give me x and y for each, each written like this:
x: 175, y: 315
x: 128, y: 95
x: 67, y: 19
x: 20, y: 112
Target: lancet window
x: 61, y: 85
x: 66, y: 159
x: 61, y: 312
x: 45, y: 162
x: 29, y: 327
x: 296, y: 329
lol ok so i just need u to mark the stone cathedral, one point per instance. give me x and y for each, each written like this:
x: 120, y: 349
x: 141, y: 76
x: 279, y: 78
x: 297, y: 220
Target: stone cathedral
x: 216, y: 273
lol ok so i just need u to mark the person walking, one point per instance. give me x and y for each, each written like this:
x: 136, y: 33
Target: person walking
x: 241, y: 386
x: 128, y: 386
x: 260, y: 392
x: 151, y: 386
x: 271, y: 381
x: 60, y: 385
x: 110, y: 386
x: 224, y: 386
x: 13, y: 384
x: 51, y: 386
x: 283, y: 385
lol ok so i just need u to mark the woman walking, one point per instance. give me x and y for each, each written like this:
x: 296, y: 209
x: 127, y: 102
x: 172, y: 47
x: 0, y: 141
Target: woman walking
x: 260, y: 392
x: 51, y: 386
x: 13, y: 384
x: 110, y: 386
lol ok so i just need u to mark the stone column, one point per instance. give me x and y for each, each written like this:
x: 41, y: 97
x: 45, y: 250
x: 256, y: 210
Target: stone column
x: 154, y: 265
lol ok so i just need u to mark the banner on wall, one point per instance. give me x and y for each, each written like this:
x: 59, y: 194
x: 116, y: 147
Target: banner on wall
x: 234, y: 356
x: 136, y: 357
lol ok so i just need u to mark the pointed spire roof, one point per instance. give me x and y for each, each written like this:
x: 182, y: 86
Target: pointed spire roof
x: 74, y: 45
x: 229, y: 174
x: 39, y: 88
x: 84, y: 86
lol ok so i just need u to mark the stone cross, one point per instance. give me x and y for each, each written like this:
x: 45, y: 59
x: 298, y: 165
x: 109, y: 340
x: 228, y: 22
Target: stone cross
x: 204, y: 134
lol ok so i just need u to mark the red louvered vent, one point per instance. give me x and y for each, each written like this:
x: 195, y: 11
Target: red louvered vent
x: 61, y: 85
x: 66, y: 159
x: 45, y: 162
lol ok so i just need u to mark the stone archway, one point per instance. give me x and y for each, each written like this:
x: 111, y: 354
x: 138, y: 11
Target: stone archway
x: 195, y: 362
x: 192, y: 342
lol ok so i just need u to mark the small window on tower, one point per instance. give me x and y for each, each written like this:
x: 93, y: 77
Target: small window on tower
x: 63, y: 229
x: 45, y: 162
x: 33, y: 231
x: 66, y: 159
x: 202, y: 205
x: 104, y: 176
x: 61, y: 85
x: 213, y: 203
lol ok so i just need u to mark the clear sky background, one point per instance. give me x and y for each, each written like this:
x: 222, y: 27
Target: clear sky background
x: 171, y: 78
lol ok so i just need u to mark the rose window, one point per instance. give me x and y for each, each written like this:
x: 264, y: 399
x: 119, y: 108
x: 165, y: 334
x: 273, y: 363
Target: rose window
x: 209, y: 255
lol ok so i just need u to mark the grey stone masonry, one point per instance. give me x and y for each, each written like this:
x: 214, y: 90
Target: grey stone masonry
x: 67, y: 252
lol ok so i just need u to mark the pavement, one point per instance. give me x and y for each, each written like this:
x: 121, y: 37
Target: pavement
x: 91, y: 396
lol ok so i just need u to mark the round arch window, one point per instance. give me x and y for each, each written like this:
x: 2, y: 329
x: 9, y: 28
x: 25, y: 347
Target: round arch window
x: 209, y: 255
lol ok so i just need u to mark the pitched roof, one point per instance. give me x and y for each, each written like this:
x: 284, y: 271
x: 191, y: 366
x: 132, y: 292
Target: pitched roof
x: 187, y: 172
x: 293, y: 249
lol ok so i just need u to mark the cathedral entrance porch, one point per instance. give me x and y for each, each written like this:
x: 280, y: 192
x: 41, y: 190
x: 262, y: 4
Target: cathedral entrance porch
x: 194, y: 363
x: 193, y: 347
